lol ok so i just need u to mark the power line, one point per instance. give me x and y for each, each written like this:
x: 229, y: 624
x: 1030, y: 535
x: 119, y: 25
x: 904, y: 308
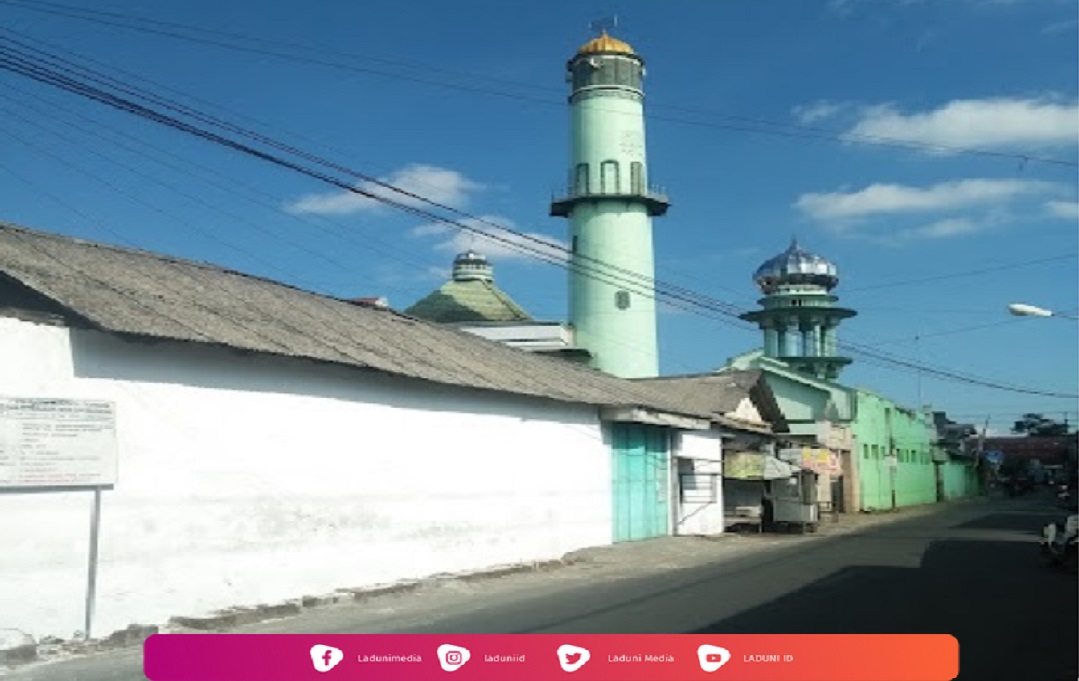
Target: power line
x: 370, y: 240
x: 365, y: 177
x: 112, y: 100
x: 733, y: 122
x: 198, y: 200
x: 967, y: 273
x: 58, y: 76
x: 872, y: 287
x: 947, y: 332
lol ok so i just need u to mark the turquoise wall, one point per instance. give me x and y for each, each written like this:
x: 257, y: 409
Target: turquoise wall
x: 960, y: 480
x: 619, y: 332
x: 797, y: 401
x: 881, y: 427
x: 800, y: 397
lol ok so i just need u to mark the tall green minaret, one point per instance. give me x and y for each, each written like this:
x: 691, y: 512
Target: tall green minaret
x: 798, y: 314
x: 610, y: 207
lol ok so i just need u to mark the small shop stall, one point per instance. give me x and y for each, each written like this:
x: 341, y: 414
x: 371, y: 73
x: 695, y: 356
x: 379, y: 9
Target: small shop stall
x: 763, y: 491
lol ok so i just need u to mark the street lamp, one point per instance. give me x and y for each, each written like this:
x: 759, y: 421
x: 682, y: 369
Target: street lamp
x: 1024, y: 310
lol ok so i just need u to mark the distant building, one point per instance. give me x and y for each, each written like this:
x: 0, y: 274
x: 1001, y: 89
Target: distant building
x: 1055, y: 450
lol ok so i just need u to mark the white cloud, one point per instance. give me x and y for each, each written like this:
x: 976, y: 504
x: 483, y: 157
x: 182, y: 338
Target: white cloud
x: 942, y: 229
x: 439, y: 273
x: 983, y: 123
x: 491, y: 236
x: 1068, y: 25
x: 430, y: 229
x: 1065, y: 210
x: 881, y: 199
x: 440, y: 185
x: 815, y: 112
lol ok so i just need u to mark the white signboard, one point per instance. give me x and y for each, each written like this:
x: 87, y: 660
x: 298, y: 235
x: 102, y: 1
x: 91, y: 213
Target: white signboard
x: 57, y: 443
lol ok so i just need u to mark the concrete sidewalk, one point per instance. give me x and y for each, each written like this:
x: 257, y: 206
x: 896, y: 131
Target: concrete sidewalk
x: 405, y: 605
x: 683, y: 551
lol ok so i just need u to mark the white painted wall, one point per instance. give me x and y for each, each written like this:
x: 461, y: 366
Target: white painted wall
x: 700, y: 453
x: 543, y: 335
x: 247, y: 480
x: 746, y: 411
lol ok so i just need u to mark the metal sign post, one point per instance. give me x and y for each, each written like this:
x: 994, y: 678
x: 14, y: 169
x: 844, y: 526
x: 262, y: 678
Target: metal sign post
x: 91, y: 577
x: 892, y: 462
x: 61, y: 445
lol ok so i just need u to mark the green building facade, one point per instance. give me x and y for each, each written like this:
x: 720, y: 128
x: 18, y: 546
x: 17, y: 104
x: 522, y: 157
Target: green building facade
x: 896, y: 453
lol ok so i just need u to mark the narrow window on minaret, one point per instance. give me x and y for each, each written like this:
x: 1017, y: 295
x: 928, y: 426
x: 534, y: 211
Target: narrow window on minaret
x: 609, y: 177
x: 621, y: 300
x: 636, y: 177
x: 581, y: 187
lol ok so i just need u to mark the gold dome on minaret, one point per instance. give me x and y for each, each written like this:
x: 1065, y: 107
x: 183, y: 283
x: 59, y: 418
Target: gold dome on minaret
x: 605, y: 43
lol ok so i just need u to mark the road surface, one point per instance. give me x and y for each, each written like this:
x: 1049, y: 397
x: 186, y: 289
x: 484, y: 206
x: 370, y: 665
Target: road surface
x: 969, y: 569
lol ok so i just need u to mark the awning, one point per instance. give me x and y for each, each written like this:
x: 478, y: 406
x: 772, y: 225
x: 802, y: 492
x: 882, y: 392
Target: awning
x: 755, y: 466
x: 655, y: 418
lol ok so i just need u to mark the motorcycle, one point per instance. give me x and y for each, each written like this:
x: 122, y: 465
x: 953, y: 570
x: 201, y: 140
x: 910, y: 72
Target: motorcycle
x: 1066, y: 497
x: 1059, y: 542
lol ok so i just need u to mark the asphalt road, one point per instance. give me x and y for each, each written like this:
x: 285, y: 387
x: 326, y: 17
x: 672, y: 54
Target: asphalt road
x: 971, y: 570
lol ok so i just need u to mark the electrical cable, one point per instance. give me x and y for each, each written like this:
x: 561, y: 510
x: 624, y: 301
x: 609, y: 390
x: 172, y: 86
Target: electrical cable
x: 17, y: 62
x: 735, y: 123
x: 967, y: 273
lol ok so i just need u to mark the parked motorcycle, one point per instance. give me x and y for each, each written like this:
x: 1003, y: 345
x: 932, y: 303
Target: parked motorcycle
x: 1059, y: 542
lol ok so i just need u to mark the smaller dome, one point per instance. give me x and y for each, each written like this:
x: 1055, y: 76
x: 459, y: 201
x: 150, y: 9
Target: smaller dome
x: 606, y: 43
x: 472, y: 266
x: 796, y: 266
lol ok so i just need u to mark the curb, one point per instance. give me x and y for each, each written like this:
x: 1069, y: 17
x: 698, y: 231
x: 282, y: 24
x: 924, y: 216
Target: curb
x: 17, y: 655
x: 135, y: 635
x: 234, y: 617
x: 230, y: 618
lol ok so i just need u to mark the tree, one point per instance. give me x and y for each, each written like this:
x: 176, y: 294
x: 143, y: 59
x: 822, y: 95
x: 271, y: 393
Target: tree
x: 1037, y: 425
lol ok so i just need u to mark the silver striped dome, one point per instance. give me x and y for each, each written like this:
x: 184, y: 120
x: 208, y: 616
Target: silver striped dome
x: 796, y: 266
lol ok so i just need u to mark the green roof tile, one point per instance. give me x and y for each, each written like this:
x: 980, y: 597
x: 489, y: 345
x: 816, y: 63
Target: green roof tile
x: 468, y: 301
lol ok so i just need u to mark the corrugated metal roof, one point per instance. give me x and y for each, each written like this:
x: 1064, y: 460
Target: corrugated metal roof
x: 146, y: 294
x: 720, y: 394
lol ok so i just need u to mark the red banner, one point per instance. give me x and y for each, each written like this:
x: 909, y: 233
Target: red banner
x: 548, y: 657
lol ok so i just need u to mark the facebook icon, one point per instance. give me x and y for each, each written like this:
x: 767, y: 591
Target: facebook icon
x: 325, y: 658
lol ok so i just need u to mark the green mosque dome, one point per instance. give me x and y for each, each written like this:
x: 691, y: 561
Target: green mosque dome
x: 469, y: 297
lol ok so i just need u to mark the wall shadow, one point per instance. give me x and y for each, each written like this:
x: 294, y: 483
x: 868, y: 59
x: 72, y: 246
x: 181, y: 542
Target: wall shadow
x: 1014, y: 617
x: 1023, y: 522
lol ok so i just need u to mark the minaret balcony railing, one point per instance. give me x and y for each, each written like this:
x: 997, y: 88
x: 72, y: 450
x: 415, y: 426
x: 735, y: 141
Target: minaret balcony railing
x: 654, y: 198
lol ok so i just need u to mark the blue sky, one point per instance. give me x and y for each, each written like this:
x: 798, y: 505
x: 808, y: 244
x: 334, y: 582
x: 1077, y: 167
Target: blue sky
x: 755, y: 112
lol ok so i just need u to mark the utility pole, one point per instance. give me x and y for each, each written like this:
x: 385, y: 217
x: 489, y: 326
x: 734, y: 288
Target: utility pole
x: 981, y: 457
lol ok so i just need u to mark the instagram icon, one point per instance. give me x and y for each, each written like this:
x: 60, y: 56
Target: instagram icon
x: 452, y: 658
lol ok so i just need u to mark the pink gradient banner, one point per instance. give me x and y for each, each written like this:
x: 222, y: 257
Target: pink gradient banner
x: 546, y: 657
